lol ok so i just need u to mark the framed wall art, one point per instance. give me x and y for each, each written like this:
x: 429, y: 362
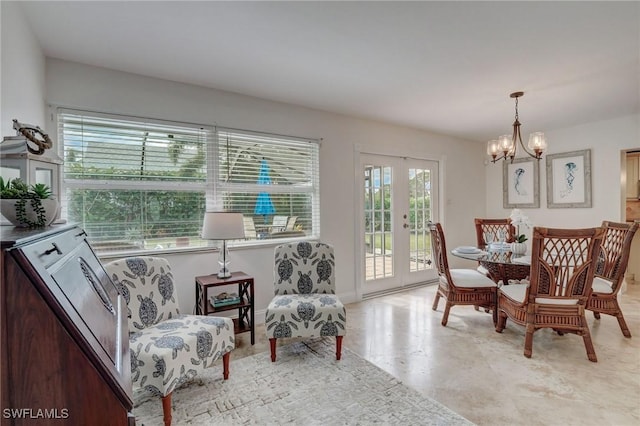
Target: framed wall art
x: 520, y: 183
x: 569, y: 179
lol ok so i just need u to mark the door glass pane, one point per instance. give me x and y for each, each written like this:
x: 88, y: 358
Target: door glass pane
x: 419, y: 216
x: 377, y: 222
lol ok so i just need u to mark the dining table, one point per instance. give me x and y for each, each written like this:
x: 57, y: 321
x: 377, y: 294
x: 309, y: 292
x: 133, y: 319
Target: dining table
x: 503, y: 265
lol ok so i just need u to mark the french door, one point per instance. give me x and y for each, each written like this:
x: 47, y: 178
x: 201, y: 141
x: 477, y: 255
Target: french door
x: 400, y: 197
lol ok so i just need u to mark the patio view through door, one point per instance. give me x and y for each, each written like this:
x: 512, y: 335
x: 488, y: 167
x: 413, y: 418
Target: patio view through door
x: 400, y: 198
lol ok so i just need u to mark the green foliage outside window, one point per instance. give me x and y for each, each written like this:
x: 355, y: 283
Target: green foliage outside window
x: 143, y: 184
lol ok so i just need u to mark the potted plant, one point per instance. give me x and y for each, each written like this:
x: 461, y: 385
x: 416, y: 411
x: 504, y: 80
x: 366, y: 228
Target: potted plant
x: 27, y: 205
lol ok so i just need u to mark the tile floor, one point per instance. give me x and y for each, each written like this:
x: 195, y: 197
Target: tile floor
x: 483, y: 375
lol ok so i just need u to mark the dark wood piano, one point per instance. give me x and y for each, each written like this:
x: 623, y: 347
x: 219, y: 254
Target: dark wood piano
x: 64, y: 355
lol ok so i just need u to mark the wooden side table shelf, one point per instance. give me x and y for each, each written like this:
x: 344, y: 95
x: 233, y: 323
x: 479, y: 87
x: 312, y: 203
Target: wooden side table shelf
x: 246, y: 320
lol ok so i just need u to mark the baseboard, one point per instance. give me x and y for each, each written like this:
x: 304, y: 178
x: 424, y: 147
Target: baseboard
x: 398, y: 289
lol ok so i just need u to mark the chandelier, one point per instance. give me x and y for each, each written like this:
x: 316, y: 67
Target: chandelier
x: 505, y: 146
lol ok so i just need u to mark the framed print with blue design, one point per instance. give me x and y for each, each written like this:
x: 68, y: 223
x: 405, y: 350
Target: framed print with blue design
x: 521, y: 183
x: 569, y: 179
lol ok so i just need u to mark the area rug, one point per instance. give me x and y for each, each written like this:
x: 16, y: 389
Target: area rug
x: 305, y: 386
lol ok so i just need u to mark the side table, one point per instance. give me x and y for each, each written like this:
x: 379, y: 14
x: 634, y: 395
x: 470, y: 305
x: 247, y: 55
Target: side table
x: 245, y: 321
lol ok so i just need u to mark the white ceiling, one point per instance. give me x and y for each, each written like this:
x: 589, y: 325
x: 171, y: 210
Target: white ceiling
x: 448, y: 67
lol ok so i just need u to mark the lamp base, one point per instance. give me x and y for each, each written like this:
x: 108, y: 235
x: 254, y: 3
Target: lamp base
x: 224, y: 273
x: 223, y: 261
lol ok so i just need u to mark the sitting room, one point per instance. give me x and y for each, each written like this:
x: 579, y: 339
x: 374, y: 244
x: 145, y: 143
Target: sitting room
x: 270, y: 212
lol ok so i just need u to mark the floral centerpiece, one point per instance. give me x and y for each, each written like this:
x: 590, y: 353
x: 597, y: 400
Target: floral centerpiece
x: 519, y: 218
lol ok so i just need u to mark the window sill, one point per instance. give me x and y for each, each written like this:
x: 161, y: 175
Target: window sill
x: 244, y: 245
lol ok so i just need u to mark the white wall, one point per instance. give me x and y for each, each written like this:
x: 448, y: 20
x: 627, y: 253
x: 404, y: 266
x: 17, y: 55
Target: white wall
x: 75, y: 85
x: 22, y: 73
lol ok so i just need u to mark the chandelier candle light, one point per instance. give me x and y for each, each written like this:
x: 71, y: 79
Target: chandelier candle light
x: 223, y: 226
x: 506, y: 145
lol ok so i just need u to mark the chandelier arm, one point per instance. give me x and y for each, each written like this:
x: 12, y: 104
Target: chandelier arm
x: 527, y: 151
x: 517, y: 134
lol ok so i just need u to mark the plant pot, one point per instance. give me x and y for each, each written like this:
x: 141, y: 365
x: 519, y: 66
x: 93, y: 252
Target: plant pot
x: 8, y: 210
x: 518, y: 248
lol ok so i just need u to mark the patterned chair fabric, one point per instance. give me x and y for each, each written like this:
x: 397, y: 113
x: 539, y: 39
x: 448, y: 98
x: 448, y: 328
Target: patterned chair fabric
x: 305, y: 304
x: 167, y: 348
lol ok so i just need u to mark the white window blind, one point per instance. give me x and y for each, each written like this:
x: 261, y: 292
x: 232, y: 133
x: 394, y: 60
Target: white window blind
x: 134, y: 184
x: 142, y: 184
x: 273, y: 180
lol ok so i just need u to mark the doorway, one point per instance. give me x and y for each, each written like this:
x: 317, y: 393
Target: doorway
x: 399, y: 198
x: 632, y: 210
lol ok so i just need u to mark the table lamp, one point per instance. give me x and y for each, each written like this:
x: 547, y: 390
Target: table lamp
x: 223, y: 226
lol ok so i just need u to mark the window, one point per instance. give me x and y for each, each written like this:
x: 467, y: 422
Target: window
x: 140, y: 184
x: 273, y: 180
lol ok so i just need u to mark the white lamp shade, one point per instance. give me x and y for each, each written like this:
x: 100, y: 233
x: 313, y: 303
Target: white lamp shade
x: 222, y: 226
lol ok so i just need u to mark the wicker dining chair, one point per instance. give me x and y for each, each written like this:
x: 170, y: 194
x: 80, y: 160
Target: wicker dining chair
x: 494, y: 226
x: 610, y: 269
x: 459, y: 286
x: 563, y: 263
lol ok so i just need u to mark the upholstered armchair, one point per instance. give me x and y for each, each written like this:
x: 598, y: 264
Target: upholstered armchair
x: 167, y: 348
x: 305, y: 304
